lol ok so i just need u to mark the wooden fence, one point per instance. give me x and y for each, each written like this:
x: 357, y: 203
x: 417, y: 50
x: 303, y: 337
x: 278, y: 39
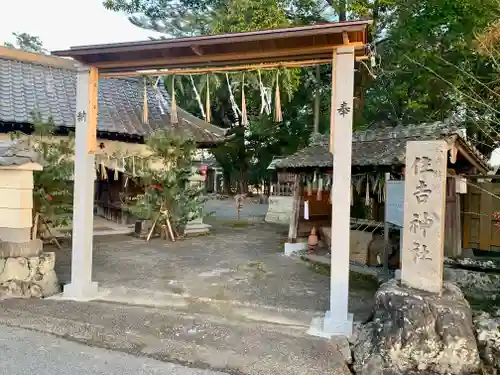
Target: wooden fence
x: 480, y: 230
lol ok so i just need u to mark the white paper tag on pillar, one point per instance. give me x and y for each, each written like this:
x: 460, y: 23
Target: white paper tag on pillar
x: 306, y: 210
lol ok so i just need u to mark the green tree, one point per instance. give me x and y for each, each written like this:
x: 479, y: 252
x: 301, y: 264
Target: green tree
x: 26, y: 42
x: 428, y: 67
x: 202, y: 17
x: 246, y: 155
x: 169, y: 196
x: 53, y: 185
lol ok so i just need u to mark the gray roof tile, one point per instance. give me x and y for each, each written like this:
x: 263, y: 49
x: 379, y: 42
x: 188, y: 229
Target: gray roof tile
x: 16, y: 152
x: 27, y: 87
x: 383, y: 146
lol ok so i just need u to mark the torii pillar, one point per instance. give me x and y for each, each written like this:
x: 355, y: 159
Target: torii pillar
x: 338, y: 321
x: 82, y: 287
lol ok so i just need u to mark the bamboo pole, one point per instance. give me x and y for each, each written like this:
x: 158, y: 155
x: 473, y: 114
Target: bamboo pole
x: 152, y: 228
x: 34, y: 230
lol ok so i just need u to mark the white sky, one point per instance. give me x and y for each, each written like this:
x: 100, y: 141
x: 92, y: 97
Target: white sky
x: 61, y: 24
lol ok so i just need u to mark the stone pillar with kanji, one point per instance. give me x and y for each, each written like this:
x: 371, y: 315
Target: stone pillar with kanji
x: 432, y: 319
x: 424, y: 212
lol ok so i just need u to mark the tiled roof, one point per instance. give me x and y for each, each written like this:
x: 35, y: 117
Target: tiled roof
x: 27, y: 86
x: 385, y: 146
x: 16, y: 152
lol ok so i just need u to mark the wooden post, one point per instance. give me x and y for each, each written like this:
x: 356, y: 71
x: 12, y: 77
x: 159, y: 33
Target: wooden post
x: 92, y: 111
x: 467, y: 208
x: 486, y: 210
x: 294, y: 217
x: 386, y: 228
x: 338, y: 320
x: 458, y: 213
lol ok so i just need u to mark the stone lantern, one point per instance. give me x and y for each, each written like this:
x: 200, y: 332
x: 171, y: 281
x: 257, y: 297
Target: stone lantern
x: 25, y: 271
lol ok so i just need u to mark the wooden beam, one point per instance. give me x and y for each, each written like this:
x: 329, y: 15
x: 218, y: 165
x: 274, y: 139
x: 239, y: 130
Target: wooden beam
x: 93, y: 110
x: 197, y: 50
x: 294, y: 64
x: 294, y: 217
x: 485, y: 220
x: 481, y: 176
x: 36, y: 58
x: 459, y: 229
x: 466, y: 218
x: 217, y: 65
x: 470, y: 158
x: 222, y: 57
x: 345, y: 37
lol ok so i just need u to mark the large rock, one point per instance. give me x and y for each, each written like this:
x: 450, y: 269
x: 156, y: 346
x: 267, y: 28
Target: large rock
x: 478, y: 283
x: 47, y: 263
x: 488, y: 340
x: 417, y: 332
x: 32, y: 277
x: 15, y: 269
x: 48, y: 283
x: 19, y: 289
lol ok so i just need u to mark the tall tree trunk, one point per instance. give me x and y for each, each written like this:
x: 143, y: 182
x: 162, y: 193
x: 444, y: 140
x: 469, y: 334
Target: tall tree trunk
x: 317, y: 99
x: 243, y: 181
x: 342, y: 10
x: 227, y: 182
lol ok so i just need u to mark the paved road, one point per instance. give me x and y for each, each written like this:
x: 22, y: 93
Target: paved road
x: 28, y: 352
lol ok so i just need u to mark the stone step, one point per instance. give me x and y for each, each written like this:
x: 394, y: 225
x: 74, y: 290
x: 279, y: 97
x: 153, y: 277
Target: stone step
x: 300, y: 319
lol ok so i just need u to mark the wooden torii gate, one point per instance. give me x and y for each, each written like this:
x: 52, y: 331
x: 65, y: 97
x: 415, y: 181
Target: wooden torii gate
x: 337, y: 43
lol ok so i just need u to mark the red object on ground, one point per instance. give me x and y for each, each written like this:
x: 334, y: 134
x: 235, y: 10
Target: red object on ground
x: 203, y: 169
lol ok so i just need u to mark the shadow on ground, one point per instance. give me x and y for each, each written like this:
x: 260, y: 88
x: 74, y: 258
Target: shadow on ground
x: 239, y: 262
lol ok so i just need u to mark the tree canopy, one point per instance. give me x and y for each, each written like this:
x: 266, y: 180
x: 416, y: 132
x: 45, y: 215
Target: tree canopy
x: 429, y: 65
x: 26, y: 42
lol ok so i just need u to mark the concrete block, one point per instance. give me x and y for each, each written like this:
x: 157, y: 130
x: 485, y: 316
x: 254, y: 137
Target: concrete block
x: 16, y: 198
x: 17, y: 235
x: 279, y: 210
x: 196, y: 228
x: 28, y: 249
x: 292, y: 248
x: 16, y: 218
x: 16, y: 179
